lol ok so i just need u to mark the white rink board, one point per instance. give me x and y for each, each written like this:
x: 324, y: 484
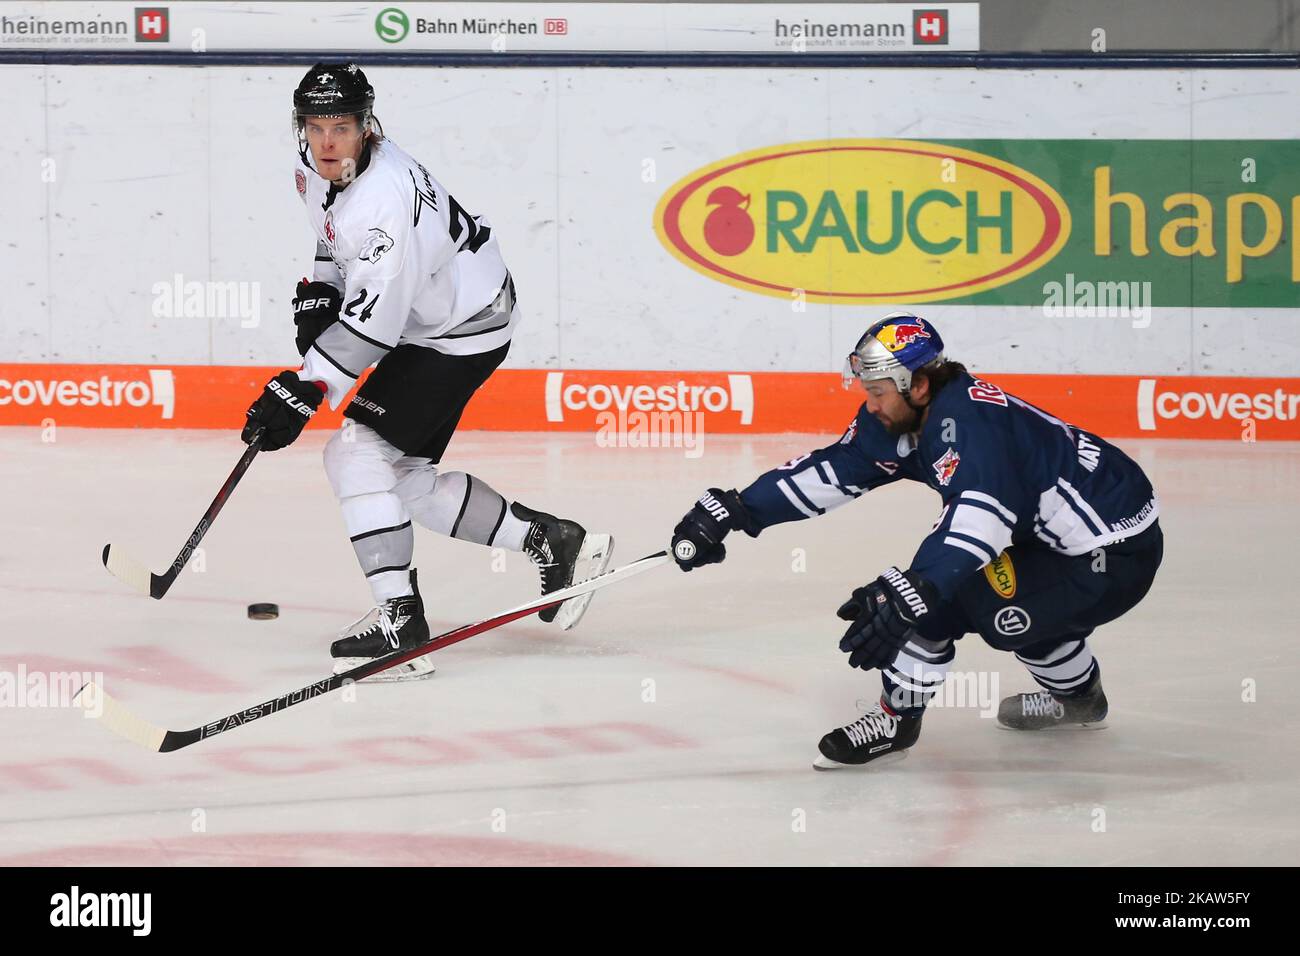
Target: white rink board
x: 159, y: 172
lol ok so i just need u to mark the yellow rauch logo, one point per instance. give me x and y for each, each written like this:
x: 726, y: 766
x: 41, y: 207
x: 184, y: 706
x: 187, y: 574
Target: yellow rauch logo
x: 1001, y: 575
x: 863, y: 220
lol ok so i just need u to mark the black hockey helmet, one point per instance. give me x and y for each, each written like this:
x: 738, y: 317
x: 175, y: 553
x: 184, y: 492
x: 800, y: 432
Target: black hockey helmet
x: 333, y: 89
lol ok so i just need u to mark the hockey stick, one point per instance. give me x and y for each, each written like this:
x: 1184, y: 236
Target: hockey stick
x: 121, y: 721
x: 126, y: 568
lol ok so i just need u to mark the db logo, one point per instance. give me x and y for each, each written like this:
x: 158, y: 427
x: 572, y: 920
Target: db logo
x: 555, y: 28
x: 930, y: 26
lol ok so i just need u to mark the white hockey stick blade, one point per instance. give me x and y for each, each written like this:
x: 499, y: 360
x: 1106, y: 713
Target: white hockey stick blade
x: 593, y: 558
x: 127, y: 569
x: 115, y: 717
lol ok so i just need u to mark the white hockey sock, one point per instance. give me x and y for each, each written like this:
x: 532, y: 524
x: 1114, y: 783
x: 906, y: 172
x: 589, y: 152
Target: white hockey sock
x: 458, y: 505
x: 1065, y: 668
x: 512, y: 532
x: 917, y: 674
x: 380, y: 530
x: 359, y: 465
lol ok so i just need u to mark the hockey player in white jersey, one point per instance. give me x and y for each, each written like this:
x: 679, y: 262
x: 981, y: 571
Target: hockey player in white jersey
x: 406, y: 278
x: 1046, y: 533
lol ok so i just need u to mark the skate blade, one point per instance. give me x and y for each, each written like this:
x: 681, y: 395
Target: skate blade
x: 826, y: 763
x: 593, y: 558
x: 417, y: 669
x: 1057, y: 728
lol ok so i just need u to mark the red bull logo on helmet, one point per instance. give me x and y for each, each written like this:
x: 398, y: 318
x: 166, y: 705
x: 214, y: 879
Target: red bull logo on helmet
x: 900, y: 335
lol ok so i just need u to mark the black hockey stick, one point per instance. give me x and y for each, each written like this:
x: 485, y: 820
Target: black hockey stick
x: 121, y: 721
x: 125, y: 568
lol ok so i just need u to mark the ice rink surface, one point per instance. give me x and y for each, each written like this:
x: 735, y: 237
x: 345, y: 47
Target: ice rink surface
x: 676, y: 725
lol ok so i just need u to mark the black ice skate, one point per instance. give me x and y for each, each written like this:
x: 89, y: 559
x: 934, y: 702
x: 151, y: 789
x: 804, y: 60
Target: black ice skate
x: 397, y: 624
x: 564, y: 553
x: 878, y: 736
x: 1042, y: 711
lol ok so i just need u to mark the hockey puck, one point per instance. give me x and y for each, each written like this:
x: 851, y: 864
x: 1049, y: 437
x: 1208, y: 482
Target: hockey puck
x: 263, y: 612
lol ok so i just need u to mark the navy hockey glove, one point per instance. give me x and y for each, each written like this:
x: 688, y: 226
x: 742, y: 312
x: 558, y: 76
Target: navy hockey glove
x: 315, y: 308
x: 282, y: 411
x: 697, y: 539
x: 884, y: 613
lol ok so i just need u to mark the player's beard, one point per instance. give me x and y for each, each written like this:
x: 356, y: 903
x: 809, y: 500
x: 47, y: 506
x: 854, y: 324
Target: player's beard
x: 909, y: 424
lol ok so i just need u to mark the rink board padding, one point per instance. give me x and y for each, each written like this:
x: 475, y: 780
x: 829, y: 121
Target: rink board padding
x: 654, y: 402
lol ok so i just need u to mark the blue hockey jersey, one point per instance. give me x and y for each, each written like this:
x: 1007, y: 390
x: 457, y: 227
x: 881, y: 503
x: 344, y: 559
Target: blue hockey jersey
x: 1008, y: 473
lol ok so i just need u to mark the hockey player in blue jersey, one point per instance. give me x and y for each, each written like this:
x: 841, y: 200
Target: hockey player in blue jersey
x: 1046, y: 532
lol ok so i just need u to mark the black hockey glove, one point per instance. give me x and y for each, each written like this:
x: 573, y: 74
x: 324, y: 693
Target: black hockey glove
x: 315, y: 309
x: 282, y: 411
x: 697, y: 539
x: 884, y: 613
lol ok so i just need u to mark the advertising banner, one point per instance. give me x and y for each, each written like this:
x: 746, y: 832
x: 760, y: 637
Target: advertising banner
x: 209, y: 27
x: 655, y: 404
x: 1068, y: 225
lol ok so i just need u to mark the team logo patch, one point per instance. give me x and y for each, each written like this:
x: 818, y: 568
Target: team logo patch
x: 377, y: 243
x: 1001, y: 576
x: 1011, y: 621
x: 301, y: 182
x: 329, y: 227
x: 946, y: 466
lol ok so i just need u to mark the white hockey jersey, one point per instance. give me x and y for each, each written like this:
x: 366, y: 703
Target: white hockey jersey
x: 411, y: 264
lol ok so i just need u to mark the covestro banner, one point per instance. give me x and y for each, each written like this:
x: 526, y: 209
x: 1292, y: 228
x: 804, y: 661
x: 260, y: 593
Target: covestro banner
x: 1117, y: 406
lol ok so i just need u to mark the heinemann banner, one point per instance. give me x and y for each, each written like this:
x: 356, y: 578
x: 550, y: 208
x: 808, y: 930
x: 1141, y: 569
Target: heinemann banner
x: 206, y: 27
x: 1071, y: 226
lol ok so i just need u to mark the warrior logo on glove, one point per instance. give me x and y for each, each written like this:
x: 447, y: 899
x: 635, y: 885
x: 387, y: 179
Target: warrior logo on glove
x: 908, y: 593
x: 884, y: 615
x: 697, y: 539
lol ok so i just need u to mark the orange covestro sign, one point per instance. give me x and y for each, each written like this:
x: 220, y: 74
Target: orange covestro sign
x: 862, y: 221
x: 202, y: 396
